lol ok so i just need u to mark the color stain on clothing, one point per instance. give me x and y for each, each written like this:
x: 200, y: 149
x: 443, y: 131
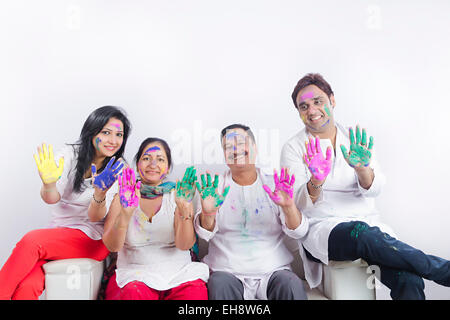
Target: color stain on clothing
x: 244, y: 230
x: 359, y: 228
x: 140, y: 220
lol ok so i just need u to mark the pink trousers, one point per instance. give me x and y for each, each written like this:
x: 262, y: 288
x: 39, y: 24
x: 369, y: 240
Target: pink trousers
x: 22, y: 276
x: 136, y: 290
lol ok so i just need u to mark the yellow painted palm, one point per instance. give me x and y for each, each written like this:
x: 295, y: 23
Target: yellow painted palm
x: 48, y: 170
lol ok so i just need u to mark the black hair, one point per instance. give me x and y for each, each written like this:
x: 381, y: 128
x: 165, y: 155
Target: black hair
x: 237, y: 126
x: 311, y: 79
x: 86, y: 150
x: 151, y: 140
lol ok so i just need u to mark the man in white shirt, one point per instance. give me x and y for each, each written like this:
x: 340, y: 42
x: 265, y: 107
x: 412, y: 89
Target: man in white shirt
x: 246, y: 229
x: 336, y: 190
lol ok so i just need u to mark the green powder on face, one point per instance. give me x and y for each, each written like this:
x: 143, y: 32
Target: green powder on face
x: 327, y: 110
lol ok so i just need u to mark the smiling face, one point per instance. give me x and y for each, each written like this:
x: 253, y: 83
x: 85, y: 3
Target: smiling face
x: 109, y: 140
x: 239, y: 148
x: 153, y: 165
x: 315, y: 109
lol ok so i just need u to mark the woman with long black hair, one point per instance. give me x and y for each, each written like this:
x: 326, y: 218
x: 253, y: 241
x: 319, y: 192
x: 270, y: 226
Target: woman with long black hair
x: 79, y: 188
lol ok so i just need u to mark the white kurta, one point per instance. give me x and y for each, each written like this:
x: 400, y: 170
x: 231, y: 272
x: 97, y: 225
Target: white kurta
x: 342, y: 198
x: 248, y: 239
x: 72, y: 210
x: 149, y: 254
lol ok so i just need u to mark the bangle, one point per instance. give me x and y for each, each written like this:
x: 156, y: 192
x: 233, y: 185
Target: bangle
x: 93, y: 197
x: 314, y: 186
x: 186, y: 218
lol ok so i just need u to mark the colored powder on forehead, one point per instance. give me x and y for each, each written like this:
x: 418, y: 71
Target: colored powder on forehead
x: 232, y: 135
x: 118, y: 126
x: 152, y: 149
x: 307, y: 95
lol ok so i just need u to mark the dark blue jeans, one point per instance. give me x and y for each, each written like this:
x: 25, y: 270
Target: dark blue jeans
x: 402, y: 267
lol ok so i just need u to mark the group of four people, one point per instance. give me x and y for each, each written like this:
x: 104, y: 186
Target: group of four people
x: 322, y: 199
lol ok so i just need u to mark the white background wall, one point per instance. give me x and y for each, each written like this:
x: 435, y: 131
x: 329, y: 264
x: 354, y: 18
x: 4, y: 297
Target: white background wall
x: 185, y: 69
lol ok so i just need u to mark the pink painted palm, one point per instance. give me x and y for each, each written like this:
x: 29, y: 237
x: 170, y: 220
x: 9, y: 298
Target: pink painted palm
x: 284, y: 188
x: 129, y: 189
x: 318, y: 165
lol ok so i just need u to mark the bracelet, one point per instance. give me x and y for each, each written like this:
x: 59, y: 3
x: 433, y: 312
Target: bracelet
x: 209, y: 214
x: 186, y: 218
x: 314, y: 186
x: 96, y: 199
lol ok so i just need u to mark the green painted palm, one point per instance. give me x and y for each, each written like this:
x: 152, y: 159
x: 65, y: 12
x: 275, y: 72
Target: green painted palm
x: 185, y: 188
x: 211, y: 200
x: 360, y: 154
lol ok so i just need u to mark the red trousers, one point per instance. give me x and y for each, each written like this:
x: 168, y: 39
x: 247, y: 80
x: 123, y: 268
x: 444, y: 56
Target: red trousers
x: 136, y: 290
x: 22, y: 276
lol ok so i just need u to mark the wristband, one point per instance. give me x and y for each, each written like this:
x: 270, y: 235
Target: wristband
x: 209, y: 214
x: 314, y: 186
x: 96, y: 199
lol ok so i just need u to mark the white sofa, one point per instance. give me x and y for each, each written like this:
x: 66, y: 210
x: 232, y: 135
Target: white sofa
x: 75, y: 279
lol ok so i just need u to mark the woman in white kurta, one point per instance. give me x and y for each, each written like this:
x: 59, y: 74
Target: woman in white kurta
x: 153, y: 236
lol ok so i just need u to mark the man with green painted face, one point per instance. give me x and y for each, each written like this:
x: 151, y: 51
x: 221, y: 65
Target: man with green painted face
x: 337, y: 181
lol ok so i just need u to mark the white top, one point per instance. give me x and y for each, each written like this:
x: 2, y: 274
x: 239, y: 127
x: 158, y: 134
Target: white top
x: 248, y: 237
x: 149, y: 254
x: 71, y: 211
x: 342, y: 198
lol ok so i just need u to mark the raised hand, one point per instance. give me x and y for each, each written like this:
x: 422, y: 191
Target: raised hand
x: 48, y: 170
x: 108, y: 176
x: 284, y: 188
x: 211, y: 200
x: 359, y: 154
x: 318, y: 165
x: 129, y: 189
x: 185, y: 189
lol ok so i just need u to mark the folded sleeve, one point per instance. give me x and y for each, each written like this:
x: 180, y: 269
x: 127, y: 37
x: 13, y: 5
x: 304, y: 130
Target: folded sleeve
x: 298, y: 232
x: 201, y: 232
x: 378, y: 182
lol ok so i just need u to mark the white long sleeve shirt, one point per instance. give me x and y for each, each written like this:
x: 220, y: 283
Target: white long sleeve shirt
x: 248, y: 239
x: 342, y: 199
